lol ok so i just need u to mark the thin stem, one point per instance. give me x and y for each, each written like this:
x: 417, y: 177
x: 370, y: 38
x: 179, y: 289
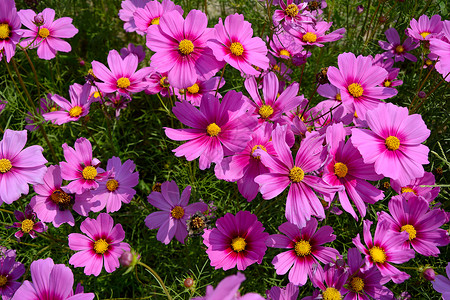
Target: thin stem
x: 108, y: 123
x: 220, y: 80
x: 34, y: 71
x: 6, y: 211
x: 420, y: 88
x: 365, y: 19
x: 431, y: 92
x: 371, y: 21
x: 160, y: 281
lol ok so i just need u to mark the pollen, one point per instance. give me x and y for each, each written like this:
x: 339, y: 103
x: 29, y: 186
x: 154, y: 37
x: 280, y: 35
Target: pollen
x: 43, y: 33
x: 197, y: 223
x: 428, y: 62
x: 101, y: 246
x: 177, y: 212
x: 5, y: 31
x: 338, y: 97
x: 213, y: 129
x: 392, y: 143
x: 357, y: 284
x: 425, y: 34
x: 292, y: 10
x: 340, y: 170
x: 406, y: 189
x: 237, y: 49
x: 265, y: 111
x: 97, y: 95
x: 296, y: 174
x: 27, y: 225
x: 258, y: 147
x: 155, y: 21
x: 5, y: 165
x: 355, y: 89
x: 331, y: 294
x: 276, y: 68
x: 302, y: 248
x: 89, y: 173
x: 3, y: 280
x: 123, y: 83
x: 238, y: 244
x: 193, y: 89
x: 399, y: 49
x: 75, y: 111
x: 387, y: 83
x: 285, y: 53
x: 377, y: 254
x: 61, y: 198
x: 309, y: 37
x: 164, y: 82
x: 410, y: 230
x: 186, y: 47
x: 112, y: 185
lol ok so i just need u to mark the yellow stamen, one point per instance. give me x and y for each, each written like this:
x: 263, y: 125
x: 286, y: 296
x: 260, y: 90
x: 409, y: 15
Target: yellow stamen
x: 177, y: 212
x: 238, y: 244
x: 338, y: 97
x: 61, y: 198
x: 331, y: 294
x: 237, y: 49
x: 112, y: 185
x: 408, y: 190
x: 265, y: 111
x: 276, y: 68
x: 399, y: 49
x: 392, y: 142
x: 155, y: 21
x: 296, y: 174
x: 387, y: 83
x: 410, y: 230
x: 5, y: 31
x: 377, y: 254
x: 27, y: 225
x: 292, y: 10
x: 340, y: 170
x: 258, y: 147
x: 5, y: 165
x: 101, y: 246
x: 197, y: 223
x: 53, y: 108
x: 43, y: 33
x: 357, y: 284
x: 186, y: 47
x: 428, y: 62
x: 75, y: 111
x: 302, y: 248
x: 123, y: 83
x: 89, y: 173
x: 213, y: 129
x: 97, y: 95
x: 425, y: 34
x: 193, y: 89
x: 285, y: 53
x: 355, y: 89
x: 355, y: 115
x: 3, y: 280
x: 164, y: 82
x: 309, y: 37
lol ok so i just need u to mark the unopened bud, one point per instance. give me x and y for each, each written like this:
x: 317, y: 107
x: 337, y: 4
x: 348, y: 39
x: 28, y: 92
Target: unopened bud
x: 188, y: 282
x: 39, y: 20
x: 126, y: 259
x: 422, y: 94
x: 382, y: 19
x: 429, y: 274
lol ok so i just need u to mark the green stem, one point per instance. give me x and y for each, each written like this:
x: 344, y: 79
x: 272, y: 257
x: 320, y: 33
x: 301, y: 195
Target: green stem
x: 6, y: 211
x: 420, y: 88
x: 108, y: 123
x: 34, y: 71
x: 365, y: 19
x: 160, y: 281
x: 220, y: 80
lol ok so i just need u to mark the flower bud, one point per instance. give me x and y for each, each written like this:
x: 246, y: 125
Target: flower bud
x: 422, y: 94
x: 359, y: 9
x: 39, y: 20
x: 188, y: 282
x: 126, y: 259
x: 429, y: 274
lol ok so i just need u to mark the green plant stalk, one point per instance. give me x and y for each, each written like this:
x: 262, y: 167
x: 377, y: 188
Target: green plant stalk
x: 220, y: 80
x: 6, y: 211
x: 371, y: 21
x: 34, y: 71
x: 160, y: 281
x: 420, y: 88
x: 420, y: 103
x: 365, y: 19
x: 108, y: 123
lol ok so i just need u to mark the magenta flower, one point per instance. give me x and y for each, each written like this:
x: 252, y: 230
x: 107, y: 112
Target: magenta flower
x: 27, y: 223
x: 102, y: 245
x: 358, y: 82
x: 237, y: 241
x: 314, y: 34
x: 290, y: 292
x: 394, y: 142
x: 292, y: 14
x: 18, y: 166
x: 235, y: 45
x: 9, y: 29
x: 411, y: 214
x: 194, y: 93
x: 122, y: 77
x: 441, y: 48
x: 284, y: 46
x: 394, y: 48
x: 10, y: 271
x: 171, y: 221
x: 383, y: 250
x: 442, y: 284
x: 180, y: 46
x: 132, y: 49
x: 48, y: 36
x: 330, y: 281
x: 126, y: 14
x: 426, y: 28
x: 158, y: 83
x: 218, y: 128
x: 305, y: 250
x: 50, y: 281
x: 418, y: 187
x: 152, y: 12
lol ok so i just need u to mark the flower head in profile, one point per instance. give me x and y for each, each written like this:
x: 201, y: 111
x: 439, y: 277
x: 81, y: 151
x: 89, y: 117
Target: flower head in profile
x: 194, y: 93
x: 9, y: 29
x: 426, y: 28
x: 394, y: 48
x: 27, y: 223
x: 10, y: 271
x: 314, y: 34
x: 158, y: 83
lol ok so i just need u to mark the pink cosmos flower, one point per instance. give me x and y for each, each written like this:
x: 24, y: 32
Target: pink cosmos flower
x: 194, y: 93
x: 50, y: 281
x: 171, y: 221
x: 48, y: 36
x: 102, y: 245
x: 394, y: 48
x: 158, y: 83
x: 180, y: 46
x: 330, y: 280
x: 394, y: 142
x: 18, y: 166
x: 292, y: 14
x: 383, y: 249
x: 441, y: 48
x: 390, y: 81
x: 235, y: 45
x: 132, y: 49
x: 9, y: 29
x: 305, y: 250
x: 442, y: 284
x: 358, y: 82
x: 27, y: 223
x: 290, y: 292
x: 237, y: 241
x: 314, y: 34
x: 418, y: 187
x: 218, y: 128
x: 152, y: 12
x: 426, y: 28
x: 75, y: 109
x: 126, y: 14
x: 122, y: 77
x: 10, y: 271
x: 283, y: 45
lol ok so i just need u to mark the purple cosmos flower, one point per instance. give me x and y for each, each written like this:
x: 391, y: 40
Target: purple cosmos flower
x: 394, y: 142
x: 418, y: 187
x: 314, y: 34
x: 441, y: 48
x: 180, y: 46
x: 235, y: 45
x: 10, y: 271
x: 126, y: 14
x: 290, y: 292
x: 218, y: 128
x: 171, y: 221
x: 151, y: 13
x: 194, y: 93
x: 394, y: 48
x: 158, y: 83
x: 358, y: 82
x: 102, y: 245
x: 48, y: 36
x: 132, y: 49
x: 305, y: 250
x: 426, y: 28
x: 2, y: 104
x: 27, y: 223
x: 50, y: 279
x: 411, y: 214
x: 442, y: 284
x: 237, y: 241
x: 18, y: 166
x: 292, y: 14
x: 330, y: 282
x: 384, y: 249
x: 9, y: 29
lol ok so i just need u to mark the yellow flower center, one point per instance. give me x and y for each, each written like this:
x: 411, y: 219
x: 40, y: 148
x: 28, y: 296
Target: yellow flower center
x: 408, y: 190
x: 53, y: 108
x: 302, y: 248
x: 285, y: 53
x: 309, y: 37
x: 355, y: 115
x: 155, y: 21
x: 27, y: 225
x: 357, y: 284
x: 123, y: 83
x: 340, y: 170
x: 331, y: 294
x: 338, y: 97
x: 411, y: 230
x: 61, y: 198
x: 425, y: 34
x: 101, y: 246
x: 292, y: 10
x: 97, y: 95
x: 236, y: 48
x: 392, y: 142
x: 213, y: 129
x: 276, y: 68
x: 164, y: 82
x: 197, y: 223
x: 89, y: 173
x: 377, y: 254
x: 296, y: 174
x: 265, y: 111
x: 399, y: 49
x: 112, y: 185
x: 193, y: 89
x: 5, y: 165
x: 387, y: 83
x: 258, y: 147
x: 3, y: 280
x: 43, y: 33
x: 4, y: 31
x: 428, y: 62
x: 355, y: 89
x: 238, y: 244
x: 186, y: 47
x: 75, y: 111
x: 177, y: 212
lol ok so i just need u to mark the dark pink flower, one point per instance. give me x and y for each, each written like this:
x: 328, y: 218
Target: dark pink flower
x: 394, y: 48
x: 9, y: 29
x: 126, y: 14
x: 441, y: 48
x: 10, y: 271
x: 426, y: 28
x: 151, y: 13
x: 419, y: 186
x: 314, y: 34
x: 27, y: 223
x: 195, y: 93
